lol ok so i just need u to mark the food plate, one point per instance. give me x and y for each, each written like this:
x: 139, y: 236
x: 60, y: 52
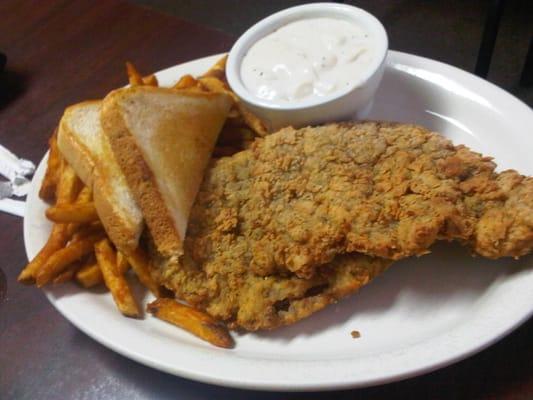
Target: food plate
x: 422, y: 314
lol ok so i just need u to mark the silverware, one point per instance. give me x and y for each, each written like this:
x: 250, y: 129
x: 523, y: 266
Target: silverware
x: 11, y: 166
x: 6, y: 190
x: 14, y: 207
x: 16, y: 170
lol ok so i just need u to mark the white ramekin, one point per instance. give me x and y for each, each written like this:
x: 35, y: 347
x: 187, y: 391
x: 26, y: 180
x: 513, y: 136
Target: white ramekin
x: 354, y: 102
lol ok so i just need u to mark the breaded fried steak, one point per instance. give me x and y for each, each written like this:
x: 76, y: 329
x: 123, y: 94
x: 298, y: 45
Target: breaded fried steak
x: 299, y: 197
x: 233, y: 293
x: 271, y: 224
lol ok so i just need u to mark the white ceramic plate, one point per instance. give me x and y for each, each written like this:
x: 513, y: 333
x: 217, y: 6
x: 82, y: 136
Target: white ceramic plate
x: 420, y: 315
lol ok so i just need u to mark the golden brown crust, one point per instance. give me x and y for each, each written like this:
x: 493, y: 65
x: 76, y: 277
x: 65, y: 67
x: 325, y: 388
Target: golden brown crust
x: 271, y: 225
x: 123, y: 233
x: 75, y: 152
x: 244, y: 300
x: 300, y: 197
x: 47, y: 191
x: 140, y: 178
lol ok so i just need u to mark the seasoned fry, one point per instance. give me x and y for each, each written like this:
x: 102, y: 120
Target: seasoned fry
x: 67, y: 189
x: 212, y: 84
x: 218, y: 70
x: 134, y: 77
x: 69, y: 186
x: 194, y: 321
x: 89, y: 275
x: 85, y: 195
x: 66, y: 275
x: 116, y: 282
x: 252, y: 120
x: 47, y: 192
x: 140, y: 263
x: 61, y: 259
x: 150, y: 80
x: 73, y: 213
x: 186, y: 82
x: 57, y: 240
x: 122, y: 263
x: 80, y: 232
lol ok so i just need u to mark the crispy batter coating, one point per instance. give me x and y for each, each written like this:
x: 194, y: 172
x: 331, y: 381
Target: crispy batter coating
x: 233, y: 293
x: 297, y: 199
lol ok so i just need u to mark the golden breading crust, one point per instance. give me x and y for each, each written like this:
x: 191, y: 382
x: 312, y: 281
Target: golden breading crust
x: 269, y: 220
x: 243, y: 300
x: 297, y: 198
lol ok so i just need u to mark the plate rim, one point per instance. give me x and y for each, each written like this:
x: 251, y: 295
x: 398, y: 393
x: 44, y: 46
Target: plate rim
x: 265, y: 384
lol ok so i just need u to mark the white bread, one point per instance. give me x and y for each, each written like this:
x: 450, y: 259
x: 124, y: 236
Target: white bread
x: 163, y: 140
x: 78, y: 138
x: 83, y: 144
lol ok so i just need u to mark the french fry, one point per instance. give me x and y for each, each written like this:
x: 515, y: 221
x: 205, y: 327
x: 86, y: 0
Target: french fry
x: 115, y: 282
x: 134, y: 77
x: 84, y: 196
x: 212, y: 84
x: 67, y: 189
x: 80, y: 232
x: 64, y: 257
x: 89, y: 275
x: 69, y: 186
x: 252, y: 120
x: 47, y: 192
x: 196, y: 322
x: 186, y: 82
x: 122, y: 263
x: 72, y: 213
x: 66, y: 275
x: 218, y: 70
x: 150, y: 80
x: 57, y: 240
x: 140, y: 263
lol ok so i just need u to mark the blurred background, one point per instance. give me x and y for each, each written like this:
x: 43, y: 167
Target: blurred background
x: 446, y: 30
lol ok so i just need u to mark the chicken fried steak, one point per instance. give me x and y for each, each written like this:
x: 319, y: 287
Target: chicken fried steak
x: 270, y: 222
x: 299, y: 197
x: 233, y: 293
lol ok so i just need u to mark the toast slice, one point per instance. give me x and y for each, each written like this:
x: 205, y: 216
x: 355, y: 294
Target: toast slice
x: 82, y: 143
x: 163, y: 140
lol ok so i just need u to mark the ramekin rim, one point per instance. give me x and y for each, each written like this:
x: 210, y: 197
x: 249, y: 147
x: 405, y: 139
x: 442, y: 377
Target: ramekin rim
x: 278, y: 19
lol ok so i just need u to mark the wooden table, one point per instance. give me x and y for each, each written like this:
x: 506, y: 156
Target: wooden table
x: 61, y: 52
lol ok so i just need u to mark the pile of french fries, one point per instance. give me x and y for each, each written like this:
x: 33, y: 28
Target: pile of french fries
x: 79, y: 250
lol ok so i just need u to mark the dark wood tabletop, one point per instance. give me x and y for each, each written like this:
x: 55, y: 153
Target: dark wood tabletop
x: 62, y: 52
